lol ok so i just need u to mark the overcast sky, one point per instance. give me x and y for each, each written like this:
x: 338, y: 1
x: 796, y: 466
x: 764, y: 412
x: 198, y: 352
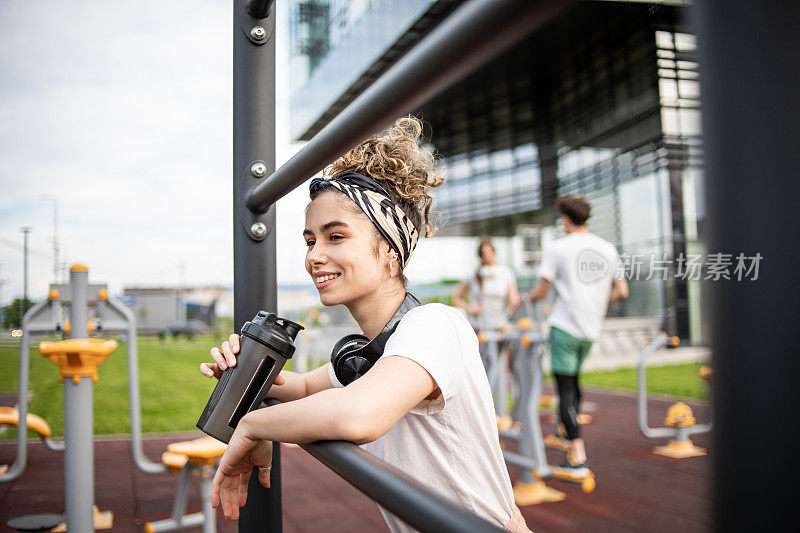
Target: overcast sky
x: 123, y: 110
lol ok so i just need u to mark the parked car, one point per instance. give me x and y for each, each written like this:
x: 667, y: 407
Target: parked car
x: 188, y: 329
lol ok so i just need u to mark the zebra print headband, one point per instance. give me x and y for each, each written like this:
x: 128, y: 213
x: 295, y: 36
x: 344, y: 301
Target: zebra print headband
x: 392, y: 223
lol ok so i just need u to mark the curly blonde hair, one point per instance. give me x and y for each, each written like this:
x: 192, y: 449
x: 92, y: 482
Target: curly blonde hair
x: 395, y: 159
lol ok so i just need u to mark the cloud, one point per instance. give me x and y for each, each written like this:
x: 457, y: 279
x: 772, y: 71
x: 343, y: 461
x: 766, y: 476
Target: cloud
x: 127, y: 120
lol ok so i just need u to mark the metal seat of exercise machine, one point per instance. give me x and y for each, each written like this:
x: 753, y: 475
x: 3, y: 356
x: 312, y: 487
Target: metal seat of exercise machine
x: 203, y: 451
x: 77, y: 357
x: 10, y: 417
x: 186, y: 459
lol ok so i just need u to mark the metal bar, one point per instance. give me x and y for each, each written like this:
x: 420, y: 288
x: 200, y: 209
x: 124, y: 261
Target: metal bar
x: 182, y: 492
x: 139, y: 458
x: 206, y: 488
x: 417, y: 505
x: 18, y: 467
x: 78, y: 421
x: 254, y: 268
x: 259, y: 9
x: 525, y: 463
x: 195, y: 520
x: 533, y: 433
x: 750, y: 115
x: 471, y: 36
x: 644, y: 427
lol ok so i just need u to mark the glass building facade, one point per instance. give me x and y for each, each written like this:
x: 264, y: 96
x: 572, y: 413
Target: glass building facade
x: 602, y: 103
x: 334, y: 43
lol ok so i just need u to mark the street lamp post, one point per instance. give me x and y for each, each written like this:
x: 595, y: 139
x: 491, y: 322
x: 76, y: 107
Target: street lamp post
x: 23, y: 305
x: 54, y: 199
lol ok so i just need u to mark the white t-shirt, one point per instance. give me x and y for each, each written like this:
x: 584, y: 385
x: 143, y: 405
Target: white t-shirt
x: 450, y: 443
x: 492, y: 295
x: 581, y: 268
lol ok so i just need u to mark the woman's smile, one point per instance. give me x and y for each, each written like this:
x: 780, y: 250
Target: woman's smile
x: 324, y: 279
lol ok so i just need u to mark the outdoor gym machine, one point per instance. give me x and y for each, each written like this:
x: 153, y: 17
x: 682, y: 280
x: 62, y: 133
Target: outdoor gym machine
x: 680, y: 421
x: 78, y: 359
x: 526, y: 344
x: 529, y: 343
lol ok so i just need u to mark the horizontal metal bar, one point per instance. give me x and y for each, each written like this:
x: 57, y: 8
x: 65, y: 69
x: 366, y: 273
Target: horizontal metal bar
x: 509, y: 434
x: 417, y: 505
x: 470, y: 37
x: 519, y: 460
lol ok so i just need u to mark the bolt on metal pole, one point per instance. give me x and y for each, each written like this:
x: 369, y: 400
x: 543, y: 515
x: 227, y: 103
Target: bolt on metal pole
x: 255, y: 275
x: 78, y: 419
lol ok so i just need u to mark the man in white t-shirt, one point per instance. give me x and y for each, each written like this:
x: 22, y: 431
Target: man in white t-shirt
x: 584, y: 270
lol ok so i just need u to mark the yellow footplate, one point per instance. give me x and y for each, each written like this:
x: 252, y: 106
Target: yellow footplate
x: 679, y: 450
x: 552, y: 441
x: 583, y: 476
x: 535, y: 493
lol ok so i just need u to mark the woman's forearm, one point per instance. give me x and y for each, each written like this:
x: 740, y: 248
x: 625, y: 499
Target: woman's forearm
x: 293, y: 389
x: 321, y: 416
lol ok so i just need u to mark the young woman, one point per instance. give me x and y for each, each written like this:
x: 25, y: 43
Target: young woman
x: 425, y: 405
x: 493, y: 291
x: 493, y: 298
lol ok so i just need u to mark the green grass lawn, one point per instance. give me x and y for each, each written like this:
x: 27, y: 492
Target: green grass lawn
x: 173, y: 392
x: 675, y: 380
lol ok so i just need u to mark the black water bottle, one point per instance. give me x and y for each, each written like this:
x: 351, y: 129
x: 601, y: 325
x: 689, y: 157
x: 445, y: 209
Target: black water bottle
x: 267, y: 342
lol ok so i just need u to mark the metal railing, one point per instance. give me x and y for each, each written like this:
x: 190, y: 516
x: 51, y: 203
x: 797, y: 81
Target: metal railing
x: 397, y: 492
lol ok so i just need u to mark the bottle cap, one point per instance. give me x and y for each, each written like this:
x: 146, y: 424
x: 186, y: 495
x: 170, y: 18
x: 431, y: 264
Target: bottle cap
x: 269, y: 330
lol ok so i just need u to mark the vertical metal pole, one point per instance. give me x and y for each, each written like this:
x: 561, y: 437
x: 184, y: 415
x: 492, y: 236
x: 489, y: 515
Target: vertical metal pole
x: 78, y: 418
x: 750, y: 82
x: 528, y: 411
x: 25, y: 231
x: 254, y: 279
x: 535, y: 432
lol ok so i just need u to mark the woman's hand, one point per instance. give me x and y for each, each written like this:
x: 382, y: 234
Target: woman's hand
x: 225, y: 357
x: 475, y: 309
x: 230, y: 482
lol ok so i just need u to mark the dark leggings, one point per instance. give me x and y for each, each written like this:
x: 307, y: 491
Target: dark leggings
x: 569, y: 401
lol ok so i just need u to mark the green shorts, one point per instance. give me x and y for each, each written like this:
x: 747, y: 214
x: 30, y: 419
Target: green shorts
x: 567, y: 353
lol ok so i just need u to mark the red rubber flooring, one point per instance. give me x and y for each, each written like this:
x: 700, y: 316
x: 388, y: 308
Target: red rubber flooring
x: 636, y: 490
